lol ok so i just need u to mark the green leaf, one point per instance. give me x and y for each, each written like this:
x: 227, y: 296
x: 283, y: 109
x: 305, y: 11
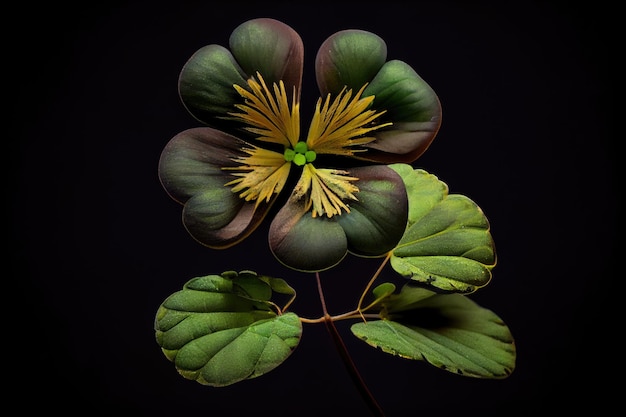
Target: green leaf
x: 222, y: 329
x: 447, y: 243
x: 380, y: 293
x: 383, y: 290
x: 407, y: 299
x: 449, y: 331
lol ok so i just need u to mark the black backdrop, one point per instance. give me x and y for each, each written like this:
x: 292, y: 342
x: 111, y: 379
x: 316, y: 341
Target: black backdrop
x: 95, y: 244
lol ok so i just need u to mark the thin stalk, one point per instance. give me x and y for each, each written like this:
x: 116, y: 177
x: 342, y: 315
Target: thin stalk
x: 352, y: 315
x: 371, y: 282
x: 346, y: 358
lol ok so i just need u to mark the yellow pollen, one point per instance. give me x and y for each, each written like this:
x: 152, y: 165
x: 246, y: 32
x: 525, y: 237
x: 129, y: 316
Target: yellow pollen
x: 339, y: 125
x: 325, y: 190
x: 336, y: 128
x: 268, y: 114
x: 262, y: 174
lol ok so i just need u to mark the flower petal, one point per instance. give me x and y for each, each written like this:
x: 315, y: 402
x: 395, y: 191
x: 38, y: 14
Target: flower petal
x: 377, y: 220
x: 205, y: 86
x: 305, y: 243
x: 191, y: 171
x: 206, y: 81
x: 218, y: 219
x: 273, y: 49
x: 354, y: 58
x: 192, y: 161
x: 413, y: 108
x: 348, y: 58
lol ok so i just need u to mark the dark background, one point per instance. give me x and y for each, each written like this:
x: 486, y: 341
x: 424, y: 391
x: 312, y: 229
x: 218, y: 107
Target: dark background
x: 95, y: 244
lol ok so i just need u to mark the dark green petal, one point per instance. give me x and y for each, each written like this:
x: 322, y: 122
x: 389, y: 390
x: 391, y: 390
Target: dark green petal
x: 413, y: 108
x: 206, y: 83
x: 376, y: 221
x: 190, y: 170
x: 192, y: 161
x: 217, y: 218
x: 353, y: 58
x: 349, y: 58
x: 304, y: 243
x: 271, y: 48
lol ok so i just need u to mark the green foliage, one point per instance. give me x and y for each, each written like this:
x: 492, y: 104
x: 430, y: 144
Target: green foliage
x: 447, y: 244
x: 449, y: 331
x: 222, y: 329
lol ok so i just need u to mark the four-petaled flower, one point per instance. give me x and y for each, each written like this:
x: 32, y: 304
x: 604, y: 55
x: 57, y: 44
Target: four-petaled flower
x: 343, y: 197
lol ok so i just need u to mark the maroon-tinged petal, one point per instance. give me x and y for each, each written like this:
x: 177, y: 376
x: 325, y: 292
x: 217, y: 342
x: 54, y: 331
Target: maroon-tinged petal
x: 413, y: 108
x: 217, y: 218
x: 193, y: 161
x: 355, y: 58
x: 377, y: 220
x: 305, y: 243
x: 191, y: 171
x: 349, y: 58
x: 273, y: 49
x: 205, y: 86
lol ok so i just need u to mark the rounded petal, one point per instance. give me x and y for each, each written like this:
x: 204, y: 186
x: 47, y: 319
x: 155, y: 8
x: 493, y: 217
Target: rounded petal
x: 205, y: 85
x: 192, y: 161
x: 217, y: 218
x: 348, y: 58
x: 272, y: 48
x: 305, y: 243
x: 191, y: 171
x: 413, y: 108
x: 378, y: 219
x: 354, y: 58
x: 206, y: 81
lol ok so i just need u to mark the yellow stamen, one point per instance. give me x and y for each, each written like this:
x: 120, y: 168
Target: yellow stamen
x: 325, y: 190
x: 268, y: 113
x: 339, y: 125
x: 265, y: 174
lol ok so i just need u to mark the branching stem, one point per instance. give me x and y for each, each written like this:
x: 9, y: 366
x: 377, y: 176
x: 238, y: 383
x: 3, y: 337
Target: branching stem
x: 371, y: 282
x: 346, y: 358
x: 351, y: 315
x: 358, y: 312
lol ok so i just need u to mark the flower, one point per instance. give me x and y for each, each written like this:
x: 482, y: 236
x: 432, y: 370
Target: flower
x: 344, y: 198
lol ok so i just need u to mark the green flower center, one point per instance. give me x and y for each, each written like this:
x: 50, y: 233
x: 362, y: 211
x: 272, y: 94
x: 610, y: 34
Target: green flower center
x: 339, y: 126
x: 300, y: 154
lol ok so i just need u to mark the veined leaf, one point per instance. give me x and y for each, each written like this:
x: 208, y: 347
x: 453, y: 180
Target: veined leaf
x: 449, y: 331
x: 383, y: 290
x: 222, y: 329
x: 447, y: 243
